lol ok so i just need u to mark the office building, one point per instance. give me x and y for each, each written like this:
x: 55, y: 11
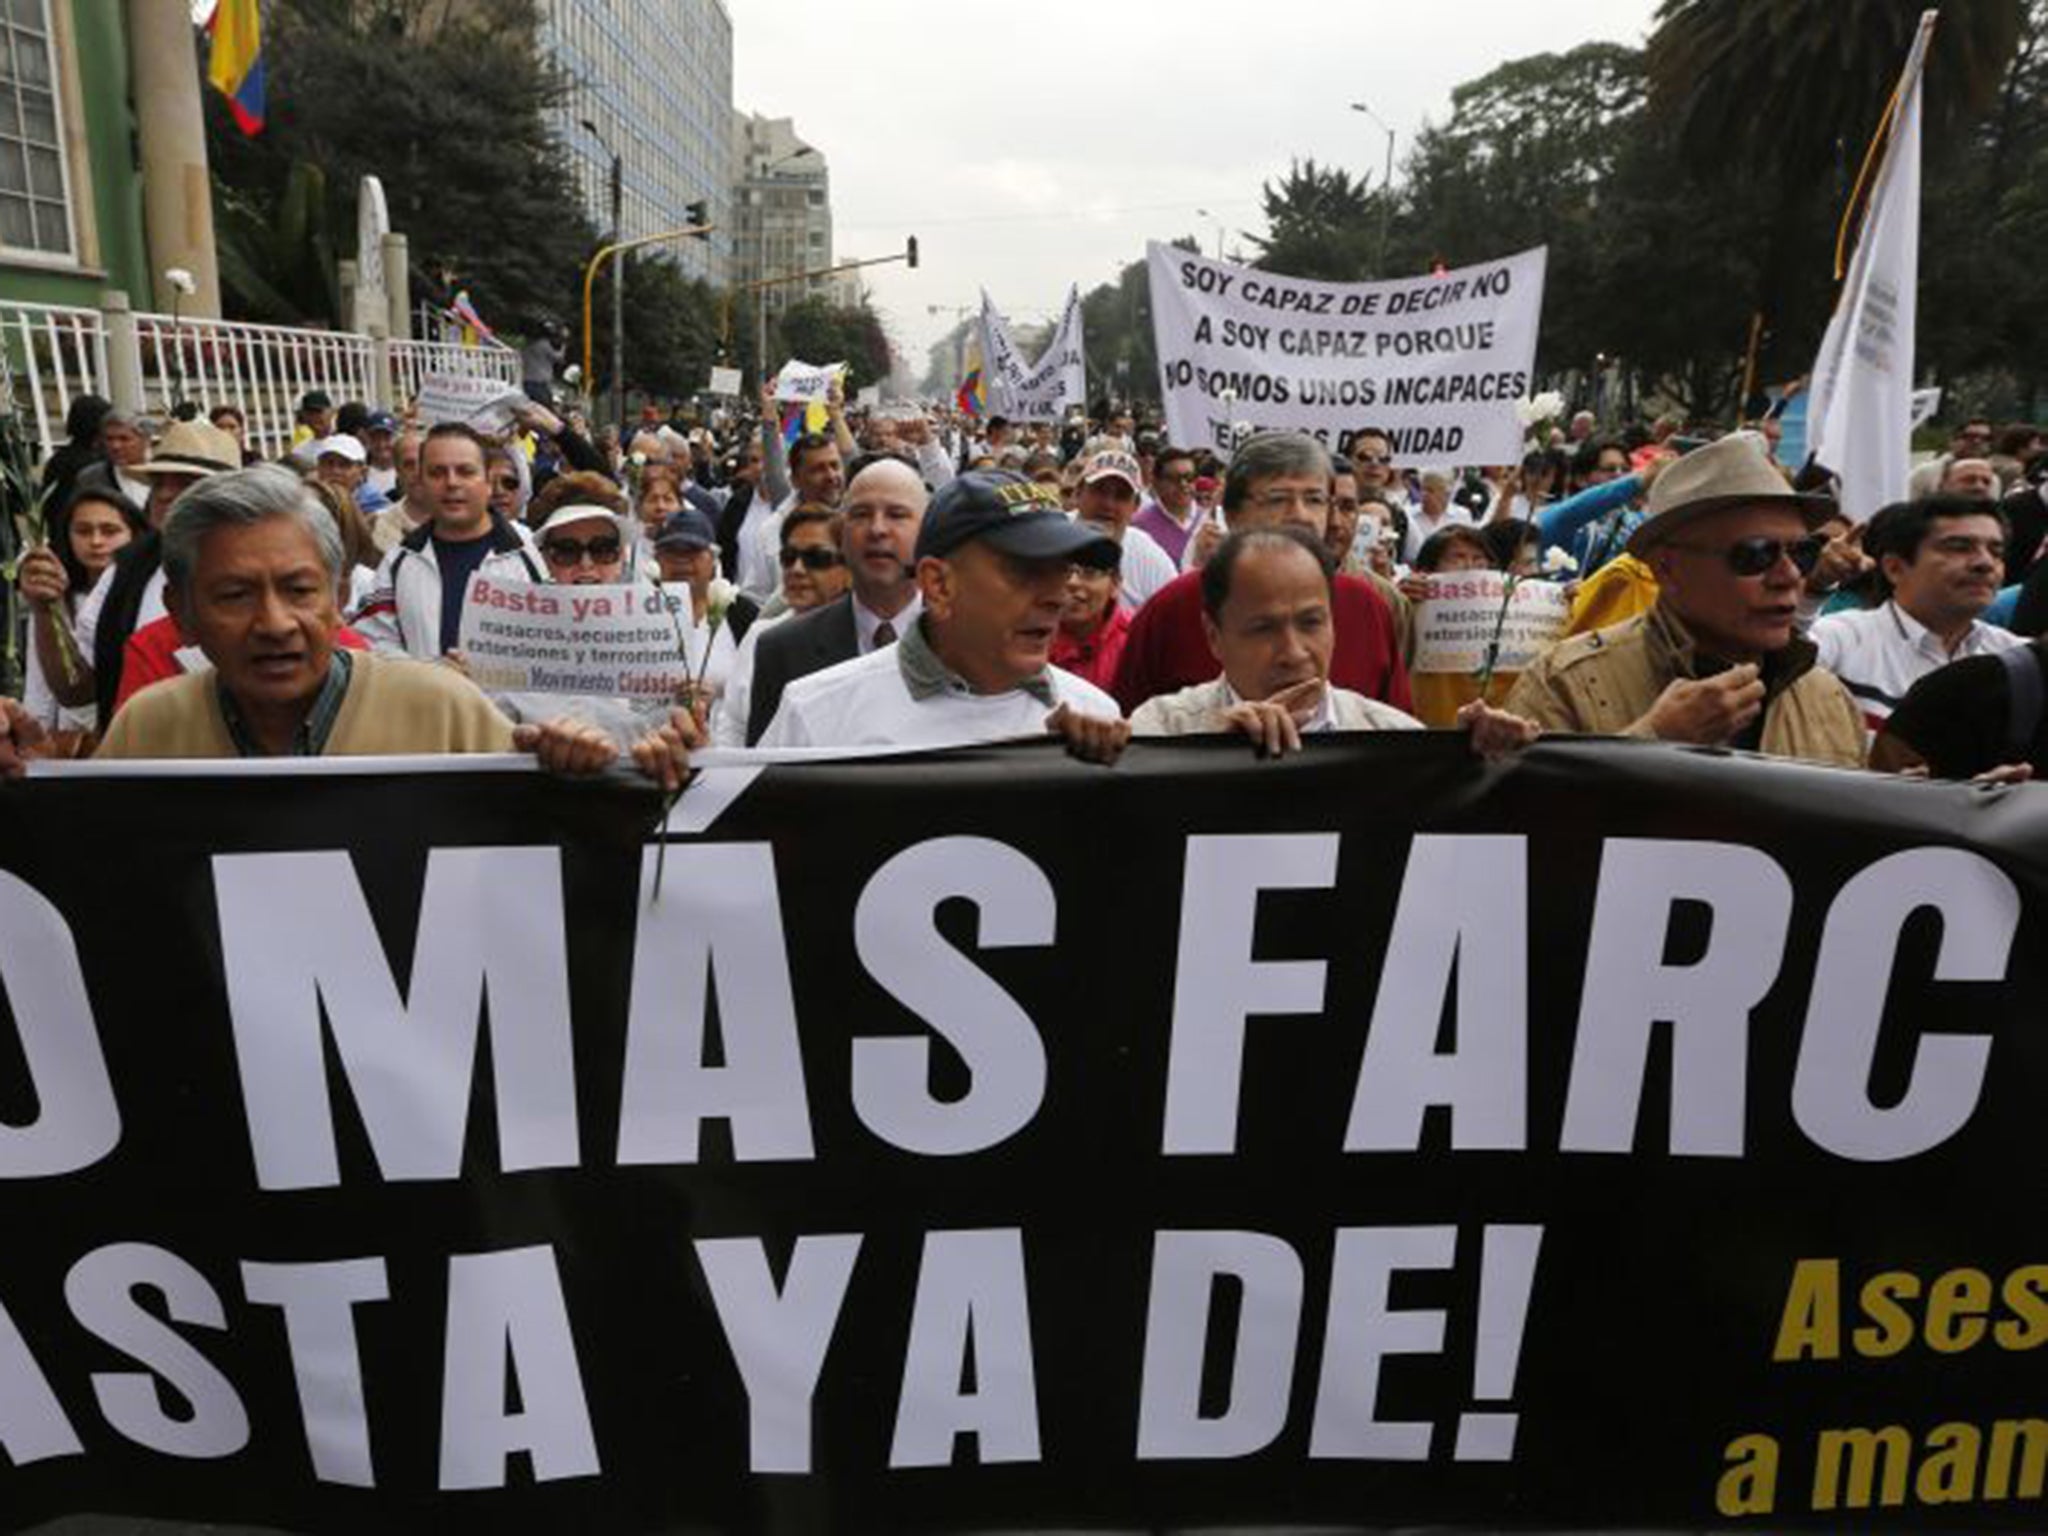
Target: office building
x: 782, y: 210
x: 651, y: 80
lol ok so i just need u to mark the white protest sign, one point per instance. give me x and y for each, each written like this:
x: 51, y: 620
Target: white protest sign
x: 1456, y: 623
x: 1437, y: 361
x: 724, y: 381
x: 1040, y: 391
x: 528, y: 637
x: 869, y: 398
x: 485, y: 404
x: 807, y: 382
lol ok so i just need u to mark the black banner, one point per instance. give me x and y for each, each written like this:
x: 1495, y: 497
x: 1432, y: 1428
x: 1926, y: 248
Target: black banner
x: 1621, y: 1136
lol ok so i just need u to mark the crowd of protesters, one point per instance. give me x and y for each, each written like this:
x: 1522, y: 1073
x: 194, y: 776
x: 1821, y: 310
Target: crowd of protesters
x: 918, y: 577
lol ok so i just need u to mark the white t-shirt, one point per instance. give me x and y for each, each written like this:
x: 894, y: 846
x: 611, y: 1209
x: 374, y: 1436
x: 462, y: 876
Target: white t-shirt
x: 87, y: 624
x: 865, y: 702
x: 1146, y: 568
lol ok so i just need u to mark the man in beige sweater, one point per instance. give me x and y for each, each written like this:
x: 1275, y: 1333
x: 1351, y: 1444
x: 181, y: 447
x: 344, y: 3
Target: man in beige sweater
x: 252, y: 566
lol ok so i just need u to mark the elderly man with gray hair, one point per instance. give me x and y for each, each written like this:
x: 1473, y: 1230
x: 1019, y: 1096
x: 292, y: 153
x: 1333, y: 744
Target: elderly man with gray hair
x: 1275, y: 480
x: 253, y: 567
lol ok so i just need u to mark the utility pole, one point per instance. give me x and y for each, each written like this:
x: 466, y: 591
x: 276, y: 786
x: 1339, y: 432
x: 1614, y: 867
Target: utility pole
x: 618, y: 411
x: 1386, y: 184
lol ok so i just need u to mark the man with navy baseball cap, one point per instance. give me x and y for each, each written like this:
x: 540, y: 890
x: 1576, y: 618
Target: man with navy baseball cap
x: 992, y: 558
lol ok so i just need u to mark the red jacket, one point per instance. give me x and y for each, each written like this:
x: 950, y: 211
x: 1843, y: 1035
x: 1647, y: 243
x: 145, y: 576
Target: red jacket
x: 1096, y: 657
x: 151, y: 655
x: 1167, y: 651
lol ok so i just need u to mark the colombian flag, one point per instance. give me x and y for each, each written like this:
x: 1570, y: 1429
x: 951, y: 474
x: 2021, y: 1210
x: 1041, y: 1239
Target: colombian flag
x: 970, y: 398
x: 235, y: 66
x: 799, y: 418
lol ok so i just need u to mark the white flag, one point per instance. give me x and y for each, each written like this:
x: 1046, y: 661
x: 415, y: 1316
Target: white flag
x: 1040, y: 391
x: 1861, y: 412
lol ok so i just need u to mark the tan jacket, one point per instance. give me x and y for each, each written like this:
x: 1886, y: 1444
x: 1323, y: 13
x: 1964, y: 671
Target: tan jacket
x: 1198, y: 711
x: 1604, y: 683
x: 393, y: 707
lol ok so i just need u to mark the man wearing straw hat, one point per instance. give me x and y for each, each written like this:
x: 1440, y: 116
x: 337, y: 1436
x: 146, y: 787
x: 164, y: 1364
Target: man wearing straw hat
x: 1717, y: 661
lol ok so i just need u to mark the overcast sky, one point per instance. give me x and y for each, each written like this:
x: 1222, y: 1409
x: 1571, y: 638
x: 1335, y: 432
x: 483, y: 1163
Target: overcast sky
x: 1038, y: 146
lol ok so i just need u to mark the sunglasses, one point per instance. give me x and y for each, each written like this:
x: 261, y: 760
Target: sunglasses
x: 811, y: 558
x: 600, y: 551
x: 1754, y: 557
x: 1372, y: 458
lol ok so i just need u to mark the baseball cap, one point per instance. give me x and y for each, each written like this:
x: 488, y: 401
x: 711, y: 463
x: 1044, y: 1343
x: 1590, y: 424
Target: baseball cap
x: 381, y: 421
x: 687, y: 529
x: 342, y: 445
x: 316, y: 400
x: 1017, y: 516
x: 1113, y: 462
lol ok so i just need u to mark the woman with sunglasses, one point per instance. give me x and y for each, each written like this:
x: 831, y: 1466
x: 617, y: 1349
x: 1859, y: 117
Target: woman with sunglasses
x: 586, y: 538
x: 511, y: 481
x: 813, y: 574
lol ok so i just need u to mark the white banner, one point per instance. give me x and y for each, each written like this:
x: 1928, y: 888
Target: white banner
x: 1456, y: 623
x: 808, y: 382
x: 1437, y: 362
x: 724, y: 381
x: 526, y: 637
x: 1859, y: 423
x: 1040, y: 391
x: 485, y: 404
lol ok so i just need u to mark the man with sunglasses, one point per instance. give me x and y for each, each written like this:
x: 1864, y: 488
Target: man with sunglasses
x: 1942, y: 560
x: 1717, y: 660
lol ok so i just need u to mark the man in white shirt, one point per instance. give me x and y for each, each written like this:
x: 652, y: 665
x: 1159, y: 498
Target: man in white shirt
x: 1943, y: 558
x: 1435, y: 511
x: 1111, y: 489
x: 992, y: 560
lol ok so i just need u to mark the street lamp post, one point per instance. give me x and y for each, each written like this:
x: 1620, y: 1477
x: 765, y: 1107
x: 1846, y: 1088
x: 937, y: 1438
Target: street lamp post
x: 761, y: 245
x: 618, y: 412
x: 1203, y: 213
x: 1386, y: 182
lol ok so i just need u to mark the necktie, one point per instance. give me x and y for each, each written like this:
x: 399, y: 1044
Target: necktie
x: 885, y: 634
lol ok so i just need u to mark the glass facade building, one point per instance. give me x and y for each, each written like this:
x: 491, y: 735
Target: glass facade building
x: 654, y: 78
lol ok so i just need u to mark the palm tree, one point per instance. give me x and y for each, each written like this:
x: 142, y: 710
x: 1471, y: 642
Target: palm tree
x: 1786, y: 94
x: 1795, y: 87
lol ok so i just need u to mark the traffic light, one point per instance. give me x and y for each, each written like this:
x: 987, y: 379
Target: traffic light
x: 910, y: 250
x: 698, y: 212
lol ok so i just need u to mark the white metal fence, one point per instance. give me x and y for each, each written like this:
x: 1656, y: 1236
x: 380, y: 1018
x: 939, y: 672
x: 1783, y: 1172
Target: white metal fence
x: 263, y: 369
x: 55, y: 353
x: 412, y: 361
x: 158, y: 361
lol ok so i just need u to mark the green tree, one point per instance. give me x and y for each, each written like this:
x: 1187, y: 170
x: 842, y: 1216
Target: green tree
x: 1781, y: 99
x: 446, y: 105
x: 819, y: 332
x: 1321, y: 224
x: 671, y: 324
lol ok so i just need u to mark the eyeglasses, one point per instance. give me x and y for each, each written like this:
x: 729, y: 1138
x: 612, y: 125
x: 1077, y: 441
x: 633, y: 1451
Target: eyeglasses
x: 1372, y: 458
x: 1173, y: 477
x: 506, y: 483
x: 1754, y: 557
x: 599, y: 551
x: 811, y: 557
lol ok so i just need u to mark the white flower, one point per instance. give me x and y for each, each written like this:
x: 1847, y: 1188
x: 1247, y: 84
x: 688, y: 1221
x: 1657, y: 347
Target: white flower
x: 1558, y: 561
x: 717, y: 598
x: 639, y: 459
x: 573, y: 374
x: 1229, y: 397
x: 1240, y: 430
x: 181, y: 280
x: 1534, y: 412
